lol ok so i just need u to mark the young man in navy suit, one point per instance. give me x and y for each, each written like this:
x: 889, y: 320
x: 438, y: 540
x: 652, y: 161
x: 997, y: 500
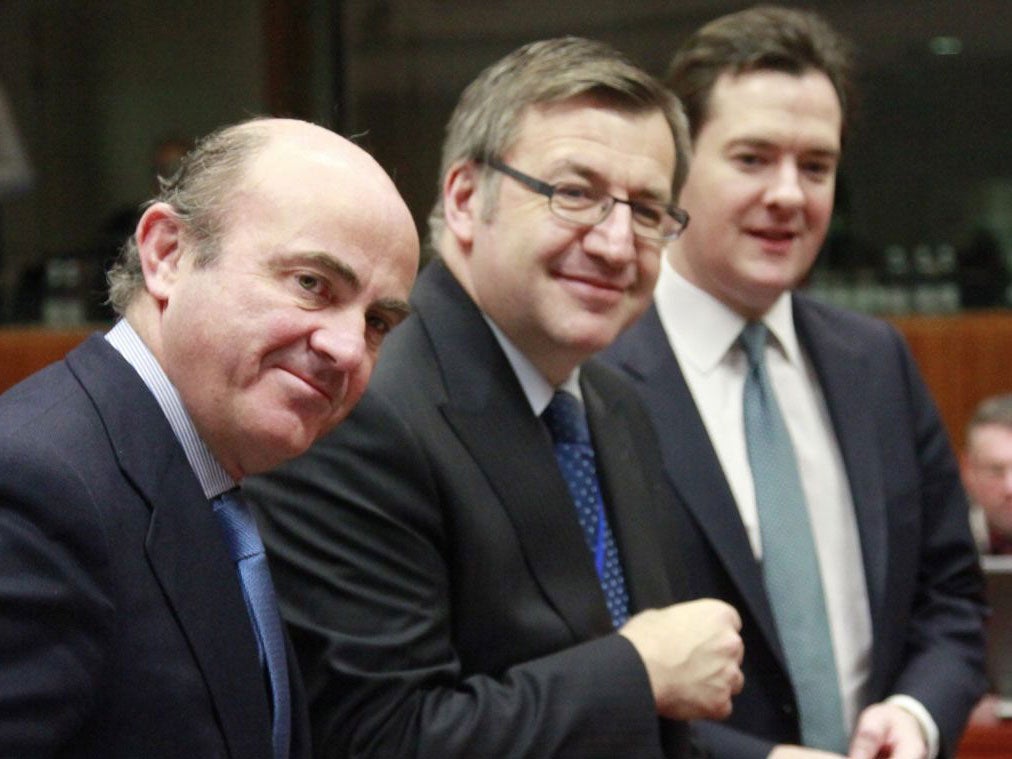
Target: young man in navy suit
x: 767, y: 95
x: 255, y: 294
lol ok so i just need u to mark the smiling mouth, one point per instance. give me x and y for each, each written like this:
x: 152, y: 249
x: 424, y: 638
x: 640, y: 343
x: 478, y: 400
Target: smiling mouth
x: 310, y: 382
x: 593, y: 283
x: 773, y: 234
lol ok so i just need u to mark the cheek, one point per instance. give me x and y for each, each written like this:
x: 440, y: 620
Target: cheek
x: 357, y: 383
x: 649, y: 267
x: 820, y: 209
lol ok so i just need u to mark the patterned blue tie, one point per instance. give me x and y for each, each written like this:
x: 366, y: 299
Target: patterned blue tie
x: 247, y: 550
x: 568, y: 425
x: 790, y: 564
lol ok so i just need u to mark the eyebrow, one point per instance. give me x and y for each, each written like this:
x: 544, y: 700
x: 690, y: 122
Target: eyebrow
x: 764, y: 144
x: 335, y: 266
x: 645, y: 193
x: 342, y: 271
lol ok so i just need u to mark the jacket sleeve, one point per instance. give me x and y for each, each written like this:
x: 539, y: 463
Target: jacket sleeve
x: 943, y: 650
x: 55, y: 614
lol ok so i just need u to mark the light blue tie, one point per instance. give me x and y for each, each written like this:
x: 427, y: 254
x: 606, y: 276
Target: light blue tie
x: 247, y: 550
x: 790, y: 564
x: 573, y: 450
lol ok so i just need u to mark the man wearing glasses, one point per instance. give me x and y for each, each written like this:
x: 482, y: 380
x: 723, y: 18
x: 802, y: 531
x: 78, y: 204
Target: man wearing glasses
x: 468, y: 570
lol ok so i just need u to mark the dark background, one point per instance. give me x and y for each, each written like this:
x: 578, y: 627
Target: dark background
x: 95, y: 85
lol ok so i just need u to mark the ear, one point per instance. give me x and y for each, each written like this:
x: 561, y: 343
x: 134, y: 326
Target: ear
x: 159, y: 243
x: 461, y: 205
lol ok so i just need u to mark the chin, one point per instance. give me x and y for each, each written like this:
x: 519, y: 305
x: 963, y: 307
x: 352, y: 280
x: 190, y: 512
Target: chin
x: 274, y: 449
x: 588, y: 345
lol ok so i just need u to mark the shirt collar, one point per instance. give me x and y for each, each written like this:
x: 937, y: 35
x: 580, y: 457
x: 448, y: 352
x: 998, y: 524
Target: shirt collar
x: 682, y: 307
x: 537, y: 389
x: 212, y: 476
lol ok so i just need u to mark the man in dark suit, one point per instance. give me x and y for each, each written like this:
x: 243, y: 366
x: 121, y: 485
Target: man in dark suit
x: 893, y: 583
x: 135, y: 620
x: 444, y: 595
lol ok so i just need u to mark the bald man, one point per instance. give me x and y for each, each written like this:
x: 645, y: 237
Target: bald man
x: 136, y: 615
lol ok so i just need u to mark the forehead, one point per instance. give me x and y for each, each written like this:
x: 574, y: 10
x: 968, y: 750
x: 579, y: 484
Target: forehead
x: 775, y: 106
x: 992, y: 440
x: 300, y: 199
x: 619, y: 143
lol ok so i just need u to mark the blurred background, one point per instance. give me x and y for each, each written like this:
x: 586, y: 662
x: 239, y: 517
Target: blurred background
x: 95, y: 95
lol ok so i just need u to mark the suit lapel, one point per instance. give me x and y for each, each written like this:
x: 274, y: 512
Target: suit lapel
x: 843, y: 370
x: 627, y: 494
x: 695, y: 471
x: 488, y: 411
x: 692, y: 464
x: 184, y: 547
x: 186, y: 554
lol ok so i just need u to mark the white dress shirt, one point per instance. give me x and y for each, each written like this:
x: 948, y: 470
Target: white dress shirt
x: 213, y: 478
x: 703, y: 333
x: 537, y: 389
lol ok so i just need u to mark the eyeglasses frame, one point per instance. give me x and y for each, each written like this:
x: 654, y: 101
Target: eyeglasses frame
x: 679, y: 215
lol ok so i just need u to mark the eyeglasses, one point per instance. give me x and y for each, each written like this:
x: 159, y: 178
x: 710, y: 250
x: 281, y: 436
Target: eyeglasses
x: 587, y: 206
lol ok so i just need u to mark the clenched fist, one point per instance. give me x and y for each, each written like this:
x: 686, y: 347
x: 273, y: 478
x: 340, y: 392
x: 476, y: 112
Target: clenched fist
x: 692, y: 652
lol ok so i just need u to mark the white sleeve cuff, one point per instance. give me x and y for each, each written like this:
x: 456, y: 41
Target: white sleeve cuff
x: 916, y: 709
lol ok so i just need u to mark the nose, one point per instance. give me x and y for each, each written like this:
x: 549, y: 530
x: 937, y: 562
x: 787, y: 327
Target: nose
x: 785, y: 190
x: 340, y: 339
x: 612, y: 238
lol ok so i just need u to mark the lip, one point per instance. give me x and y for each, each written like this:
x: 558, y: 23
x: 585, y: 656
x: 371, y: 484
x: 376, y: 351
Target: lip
x: 590, y: 282
x: 310, y: 382
x: 774, y: 239
x: 774, y: 233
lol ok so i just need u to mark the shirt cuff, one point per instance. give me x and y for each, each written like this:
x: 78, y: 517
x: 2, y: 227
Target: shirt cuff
x: 916, y: 709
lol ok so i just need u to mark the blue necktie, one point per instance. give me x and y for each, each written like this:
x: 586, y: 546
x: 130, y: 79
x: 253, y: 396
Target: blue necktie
x: 247, y: 550
x: 790, y: 564
x: 568, y: 425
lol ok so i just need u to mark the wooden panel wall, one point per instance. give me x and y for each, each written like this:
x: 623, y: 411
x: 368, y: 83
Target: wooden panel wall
x: 963, y: 358
x: 27, y: 349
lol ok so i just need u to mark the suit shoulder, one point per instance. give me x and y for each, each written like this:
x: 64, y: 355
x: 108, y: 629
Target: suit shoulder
x: 38, y: 402
x: 809, y: 310
x: 640, y: 337
x: 405, y: 356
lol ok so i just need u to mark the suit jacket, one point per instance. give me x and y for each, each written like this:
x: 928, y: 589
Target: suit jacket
x: 441, y: 596
x: 123, y: 629
x: 923, y: 581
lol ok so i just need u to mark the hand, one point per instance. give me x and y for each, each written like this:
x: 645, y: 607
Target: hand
x: 786, y: 751
x: 692, y: 653
x: 887, y: 730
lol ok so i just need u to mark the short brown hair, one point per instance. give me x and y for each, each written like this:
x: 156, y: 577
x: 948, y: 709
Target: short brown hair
x: 485, y: 122
x: 765, y: 37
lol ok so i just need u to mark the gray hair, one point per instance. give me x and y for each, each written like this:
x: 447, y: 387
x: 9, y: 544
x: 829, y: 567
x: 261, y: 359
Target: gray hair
x: 199, y: 193
x: 486, y: 121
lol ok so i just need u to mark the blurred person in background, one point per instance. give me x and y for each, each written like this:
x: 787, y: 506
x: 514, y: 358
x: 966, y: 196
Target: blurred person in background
x: 987, y: 474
